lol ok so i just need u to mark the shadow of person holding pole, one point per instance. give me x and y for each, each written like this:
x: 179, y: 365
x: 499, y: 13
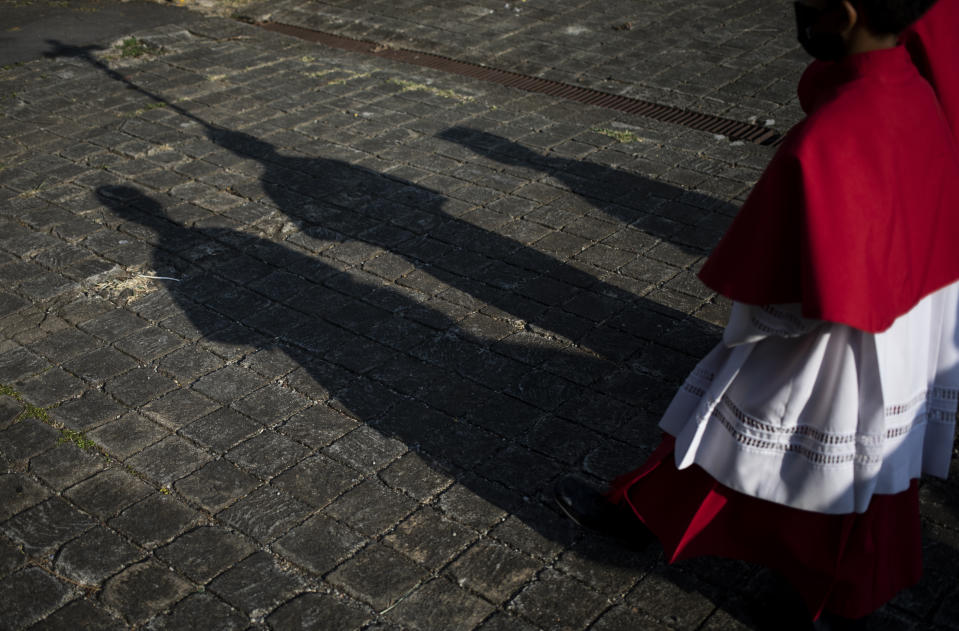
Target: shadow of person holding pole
x: 334, y: 201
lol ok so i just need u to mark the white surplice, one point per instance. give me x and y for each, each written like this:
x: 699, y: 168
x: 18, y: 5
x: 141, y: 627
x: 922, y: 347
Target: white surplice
x: 820, y: 416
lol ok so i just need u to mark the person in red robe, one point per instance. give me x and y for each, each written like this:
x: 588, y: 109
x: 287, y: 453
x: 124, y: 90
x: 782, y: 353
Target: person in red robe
x: 798, y: 441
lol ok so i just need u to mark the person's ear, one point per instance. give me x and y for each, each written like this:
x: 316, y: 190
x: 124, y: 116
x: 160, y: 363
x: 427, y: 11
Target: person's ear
x: 849, y: 17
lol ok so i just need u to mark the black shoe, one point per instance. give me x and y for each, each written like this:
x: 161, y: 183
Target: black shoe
x: 589, y: 508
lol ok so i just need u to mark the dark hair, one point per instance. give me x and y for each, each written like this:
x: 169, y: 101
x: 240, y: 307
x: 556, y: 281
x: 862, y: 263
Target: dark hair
x: 891, y: 17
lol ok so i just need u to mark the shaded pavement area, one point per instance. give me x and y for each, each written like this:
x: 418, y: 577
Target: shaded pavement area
x: 294, y: 338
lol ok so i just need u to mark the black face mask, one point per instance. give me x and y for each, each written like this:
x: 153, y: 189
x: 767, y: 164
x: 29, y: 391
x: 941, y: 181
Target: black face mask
x: 822, y: 46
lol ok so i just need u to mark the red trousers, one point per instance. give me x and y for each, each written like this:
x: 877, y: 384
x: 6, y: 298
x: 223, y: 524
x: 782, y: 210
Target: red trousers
x: 849, y: 565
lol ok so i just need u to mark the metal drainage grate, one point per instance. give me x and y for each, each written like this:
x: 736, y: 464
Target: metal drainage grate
x: 732, y: 129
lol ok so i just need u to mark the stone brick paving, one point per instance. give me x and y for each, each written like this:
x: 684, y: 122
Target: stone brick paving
x: 299, y: 339
x: 737, y: 58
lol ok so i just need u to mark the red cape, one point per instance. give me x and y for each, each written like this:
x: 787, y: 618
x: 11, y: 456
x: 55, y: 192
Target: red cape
x: 933, y: 42
x: 857, y: 215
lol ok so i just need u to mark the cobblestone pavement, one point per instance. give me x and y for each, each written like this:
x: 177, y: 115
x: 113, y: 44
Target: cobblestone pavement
x: 294, y: 338
x: 736, y: 58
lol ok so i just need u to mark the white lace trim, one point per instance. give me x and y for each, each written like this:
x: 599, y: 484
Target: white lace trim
x: 743, y: 428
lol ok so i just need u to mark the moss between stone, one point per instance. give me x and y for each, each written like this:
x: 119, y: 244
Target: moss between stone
x: 619, y: 135
x: 29, y: 410
x: 423, y: 87
x: 133, y: 47
x: 42, y: 414
x: 77, y: 438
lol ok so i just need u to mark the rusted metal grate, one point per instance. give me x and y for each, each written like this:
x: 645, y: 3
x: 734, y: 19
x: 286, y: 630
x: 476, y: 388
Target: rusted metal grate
x: 732, y: 129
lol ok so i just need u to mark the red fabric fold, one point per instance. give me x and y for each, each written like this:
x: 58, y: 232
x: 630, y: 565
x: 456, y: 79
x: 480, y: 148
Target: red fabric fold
x: 849, y: 565
x: 933, y: 43
x: 857, y: 215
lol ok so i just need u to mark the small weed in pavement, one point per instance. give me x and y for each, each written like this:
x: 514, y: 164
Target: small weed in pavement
x: 32, y: 411
x: 133, y: 47
x: 29, y: 411
x: 77, y: 438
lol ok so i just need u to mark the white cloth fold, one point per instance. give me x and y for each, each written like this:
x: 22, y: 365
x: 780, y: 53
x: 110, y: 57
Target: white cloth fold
x: 820, y: 416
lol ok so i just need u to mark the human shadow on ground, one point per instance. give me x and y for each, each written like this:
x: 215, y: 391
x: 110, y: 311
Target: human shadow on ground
x: 507, y: 410
x: 491, y: 422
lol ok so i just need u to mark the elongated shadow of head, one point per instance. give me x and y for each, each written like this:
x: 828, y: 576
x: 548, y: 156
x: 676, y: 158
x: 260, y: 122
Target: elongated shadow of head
x: 130, y: 204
